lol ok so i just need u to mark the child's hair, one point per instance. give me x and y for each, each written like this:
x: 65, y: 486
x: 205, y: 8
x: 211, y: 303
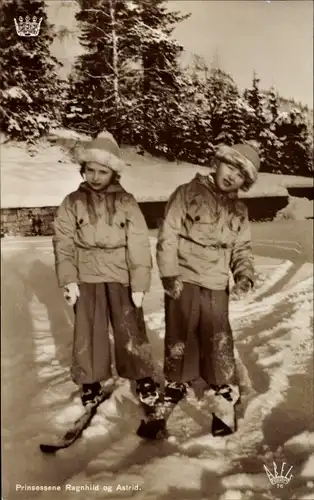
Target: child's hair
x: 82, y: 169
x: 115, y: 178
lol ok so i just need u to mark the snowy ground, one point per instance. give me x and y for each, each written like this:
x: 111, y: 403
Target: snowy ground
x: 274, y: 341
x: 25, y: 177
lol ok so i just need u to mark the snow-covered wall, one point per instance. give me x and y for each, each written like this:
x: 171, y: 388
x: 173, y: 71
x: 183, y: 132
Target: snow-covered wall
x: 38, y: 179
x: 43, y: 177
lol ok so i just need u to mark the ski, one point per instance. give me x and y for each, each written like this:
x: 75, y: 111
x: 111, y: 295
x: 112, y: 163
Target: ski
x: 77, y: 429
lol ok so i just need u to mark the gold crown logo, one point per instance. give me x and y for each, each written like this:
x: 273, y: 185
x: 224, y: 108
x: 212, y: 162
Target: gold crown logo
x: 278, y: 479
x: 29, y: 27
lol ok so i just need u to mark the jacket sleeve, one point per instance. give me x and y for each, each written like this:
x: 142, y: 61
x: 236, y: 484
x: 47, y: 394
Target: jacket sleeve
x: 139, y: 258
x: 63, y: 243
x: 242, y: 261
x: 168, y: 236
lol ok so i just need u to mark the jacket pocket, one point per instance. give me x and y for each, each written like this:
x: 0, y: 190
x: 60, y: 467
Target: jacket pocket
x: 201, y: 227
x: 119, y: 232
x: 231, y: 230
x: 84, y: 232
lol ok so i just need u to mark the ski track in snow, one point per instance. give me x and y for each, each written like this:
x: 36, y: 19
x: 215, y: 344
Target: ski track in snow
x: 273, y: 329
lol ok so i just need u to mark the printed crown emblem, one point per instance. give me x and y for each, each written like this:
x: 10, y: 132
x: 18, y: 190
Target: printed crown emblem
x: 29, y: 27
x: 277, y: 479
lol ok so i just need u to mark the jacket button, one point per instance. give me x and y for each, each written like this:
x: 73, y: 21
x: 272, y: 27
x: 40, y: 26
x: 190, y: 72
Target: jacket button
x: 197, y: 218
x: 122, y: 224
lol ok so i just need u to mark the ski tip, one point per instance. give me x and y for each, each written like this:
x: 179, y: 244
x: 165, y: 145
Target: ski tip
x: 47, y: 448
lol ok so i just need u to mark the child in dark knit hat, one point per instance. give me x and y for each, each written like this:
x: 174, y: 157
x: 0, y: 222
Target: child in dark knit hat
x: 205, y: 234
x: 103, y: 264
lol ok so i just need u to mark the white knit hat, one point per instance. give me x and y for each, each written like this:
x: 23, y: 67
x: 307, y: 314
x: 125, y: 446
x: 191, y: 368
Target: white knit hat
x: 103, y: 150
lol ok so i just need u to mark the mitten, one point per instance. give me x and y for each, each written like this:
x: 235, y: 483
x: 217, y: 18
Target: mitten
x: 71, y: 293
x: 242, y: 287
x: 173, y: 286
x: 137, y: 298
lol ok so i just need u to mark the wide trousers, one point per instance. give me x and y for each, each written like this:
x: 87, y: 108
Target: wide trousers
x: 99, y: 305
x: 198, y: 339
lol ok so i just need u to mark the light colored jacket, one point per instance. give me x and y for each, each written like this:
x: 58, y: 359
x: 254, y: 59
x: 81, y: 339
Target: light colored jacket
x: 204, y: 235
x: 102, y: 237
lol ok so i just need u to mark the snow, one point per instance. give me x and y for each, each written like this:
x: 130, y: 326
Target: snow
x: 297, y: 209
x: 62, y: 133
x: 16, y: 93
x: 274, y: 352
x: 33, y: 178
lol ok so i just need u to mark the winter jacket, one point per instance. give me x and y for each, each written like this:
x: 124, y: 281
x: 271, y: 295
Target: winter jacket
x: 102, y: 237
x: 204, y: 235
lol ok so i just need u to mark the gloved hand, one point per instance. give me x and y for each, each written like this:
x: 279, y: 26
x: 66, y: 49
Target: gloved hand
x: 242, y: 287
x: 71, y: 293
x: 137, y: 298
x: 173, y: 286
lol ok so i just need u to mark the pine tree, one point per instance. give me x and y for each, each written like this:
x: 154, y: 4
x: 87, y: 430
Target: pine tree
x: 273, y: 104
x: 257, y: 122
x: 103, y: 74
x: 218, y: 85
x: 254, y: 99
x: 272, y: 144
x: 161, y: 76
x: 29, y: 83
x: 127, y: 55
x: 296, y: 156
x: 213, y: 112
x: 233, y: 115
x: 193, y: 140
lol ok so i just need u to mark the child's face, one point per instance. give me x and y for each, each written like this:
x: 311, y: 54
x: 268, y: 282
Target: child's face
x: 97, y: 176
x: 228, y: 177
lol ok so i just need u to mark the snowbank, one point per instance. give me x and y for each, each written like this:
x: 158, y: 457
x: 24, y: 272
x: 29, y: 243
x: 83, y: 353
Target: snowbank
x: 43, y: 176
x: 274, y: 340
x: 297, y: 209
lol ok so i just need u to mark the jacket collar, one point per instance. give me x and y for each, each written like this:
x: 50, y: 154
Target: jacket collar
x: 96, y: 198
x: 111, y: 188
x: 209, y: 182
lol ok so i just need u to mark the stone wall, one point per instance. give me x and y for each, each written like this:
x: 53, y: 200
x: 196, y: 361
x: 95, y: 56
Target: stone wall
x: 18, y: 221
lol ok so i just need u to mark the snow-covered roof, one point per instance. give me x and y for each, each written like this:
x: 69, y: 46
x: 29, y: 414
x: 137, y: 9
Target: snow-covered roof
x: 47, y: 176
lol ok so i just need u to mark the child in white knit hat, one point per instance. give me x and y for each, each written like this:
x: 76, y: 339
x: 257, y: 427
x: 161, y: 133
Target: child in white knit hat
x: 205, y: 234
x: 103, y: 264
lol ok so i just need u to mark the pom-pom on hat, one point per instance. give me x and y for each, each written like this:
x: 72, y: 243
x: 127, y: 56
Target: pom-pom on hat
x: 245, y: 156
x: 103, y: 150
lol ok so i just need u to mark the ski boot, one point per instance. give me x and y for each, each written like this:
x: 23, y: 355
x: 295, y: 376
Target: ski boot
x: 174, y: 393
x: 91, y: 393
x: 220, y: 428
x: 153, y: 426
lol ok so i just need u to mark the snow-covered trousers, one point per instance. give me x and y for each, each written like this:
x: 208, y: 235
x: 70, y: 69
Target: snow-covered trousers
x: 198, y: 340
x: 98, y: 305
